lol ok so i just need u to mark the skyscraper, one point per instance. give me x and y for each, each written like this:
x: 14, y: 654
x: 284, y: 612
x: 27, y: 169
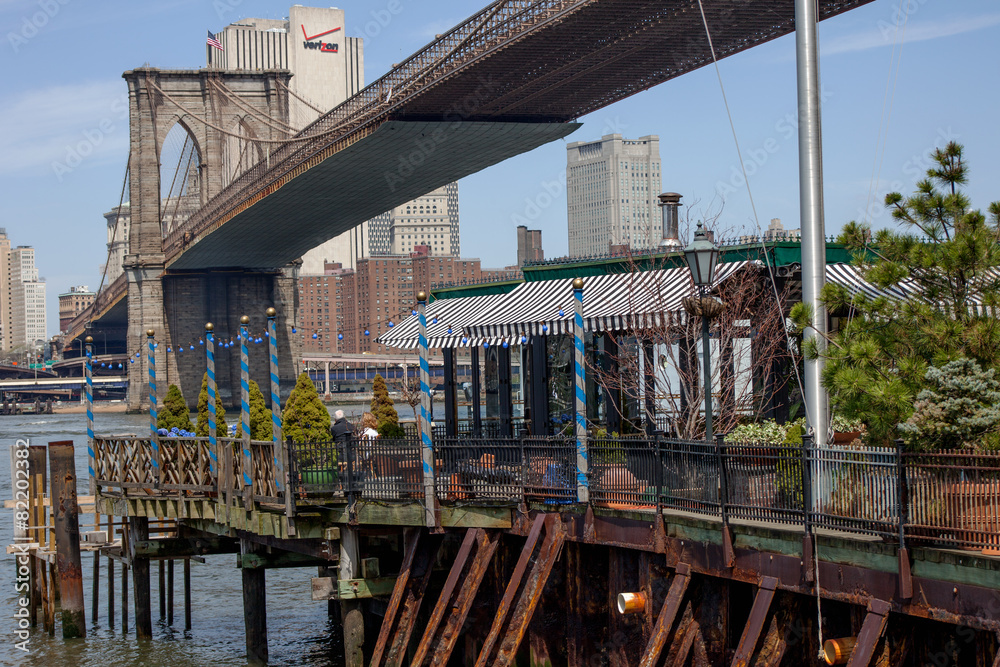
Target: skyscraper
x: 611, y: 188
x: 27, y: 299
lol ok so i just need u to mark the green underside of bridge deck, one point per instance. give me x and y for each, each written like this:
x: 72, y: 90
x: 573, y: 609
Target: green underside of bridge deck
x: 399, y: 161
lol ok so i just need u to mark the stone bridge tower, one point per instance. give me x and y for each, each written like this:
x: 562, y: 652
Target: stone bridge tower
x: 232, y: 120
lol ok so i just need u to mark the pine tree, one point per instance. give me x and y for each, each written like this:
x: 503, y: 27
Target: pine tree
x: 960, y: 408
x: 305, y: 418
x: 174, y: 412
x: 201, y: 428
x: 382, y: 406
x: 260, y: 416
x: 948, y: 254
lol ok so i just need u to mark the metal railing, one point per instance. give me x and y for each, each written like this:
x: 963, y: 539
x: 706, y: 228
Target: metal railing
x: 945, y: 499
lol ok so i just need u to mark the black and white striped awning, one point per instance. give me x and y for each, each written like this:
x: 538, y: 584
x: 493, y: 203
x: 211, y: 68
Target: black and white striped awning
x: 446, y: 320
x: 614, y: 302
x: 849, y: 277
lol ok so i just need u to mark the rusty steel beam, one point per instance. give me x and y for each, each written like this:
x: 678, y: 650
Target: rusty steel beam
x: 665, y: 621
x: 532, y: 592
x: 871, y: 632
x: 511, y: 591
x: 996, y: 659
x: 407, y: 595
x: 472, y: 535
x: 458, y: 609
x: 755, y: 624
x: 690, y: 632
x: 527, y: 600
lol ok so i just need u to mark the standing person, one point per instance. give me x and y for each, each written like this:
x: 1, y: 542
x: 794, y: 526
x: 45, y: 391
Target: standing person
x: 341, y: 429
x: 368, y: 426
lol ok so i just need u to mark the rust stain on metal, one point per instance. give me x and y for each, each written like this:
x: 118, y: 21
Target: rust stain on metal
x: 755, y: 624
x: 665, y: 621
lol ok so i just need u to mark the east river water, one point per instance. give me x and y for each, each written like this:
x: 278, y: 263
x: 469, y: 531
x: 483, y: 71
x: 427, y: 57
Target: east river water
x: 299, y: 630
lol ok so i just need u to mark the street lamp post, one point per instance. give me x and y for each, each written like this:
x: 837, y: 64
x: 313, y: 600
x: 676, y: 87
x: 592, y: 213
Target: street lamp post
x: 702, y: 256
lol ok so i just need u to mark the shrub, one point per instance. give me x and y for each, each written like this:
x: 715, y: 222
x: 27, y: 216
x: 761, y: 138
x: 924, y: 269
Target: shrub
x: 174, y: 412
x: 305, y: 418
x: 260, y: 416
x: 960, y: 408
x: 390, y: 430
x: 201, y: 428
x: 382, y: 406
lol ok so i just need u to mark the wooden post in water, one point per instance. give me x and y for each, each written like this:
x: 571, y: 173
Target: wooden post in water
x: 111, y: 577
x: 138, y: 530
x: 67, y: 529
x: 351, y: 613
x: 187, y: 593
x: 161, y: 565
x: 124, y: 598
x: 170, y: 592
x: 96, y: 594
x: 254, y: 606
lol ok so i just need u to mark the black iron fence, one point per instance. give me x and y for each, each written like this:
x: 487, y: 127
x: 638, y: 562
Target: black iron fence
x: 949, y: 499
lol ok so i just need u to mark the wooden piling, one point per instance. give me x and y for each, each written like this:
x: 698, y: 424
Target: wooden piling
x: 170, y: 592
x: 96, y: 594
x: 67, y: 536
x: 254, y: 606
x: 161, y: 588
x: 139, y: 531
x: 111, y: 593
x: 351, y: 613
x: 124, y: 598
x: 187, y: 593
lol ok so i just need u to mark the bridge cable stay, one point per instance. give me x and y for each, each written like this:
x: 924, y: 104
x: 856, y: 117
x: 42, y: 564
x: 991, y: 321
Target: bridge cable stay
x: 300, y: 98
x: 270, y: 121
x: 114, y: 236
x: 774, y: 284
x: 207, y: 123
x: 181, y: 190
x: 883, y: 126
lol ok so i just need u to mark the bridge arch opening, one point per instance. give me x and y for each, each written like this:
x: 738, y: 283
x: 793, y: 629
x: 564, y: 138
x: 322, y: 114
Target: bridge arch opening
x: 180, y: 176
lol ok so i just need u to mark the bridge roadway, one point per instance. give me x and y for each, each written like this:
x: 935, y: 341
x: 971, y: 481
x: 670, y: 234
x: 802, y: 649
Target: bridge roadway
x: 504, y: 81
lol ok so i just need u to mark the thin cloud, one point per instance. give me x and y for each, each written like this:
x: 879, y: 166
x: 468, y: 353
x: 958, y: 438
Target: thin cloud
x: 885, y: 32
x: 51, y: 125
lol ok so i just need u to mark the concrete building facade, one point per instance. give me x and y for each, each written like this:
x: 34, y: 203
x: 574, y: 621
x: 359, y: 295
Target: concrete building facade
x: 5, y: 290
x: 27, y: 299
x: 72, y: 303
x: 612, y: 187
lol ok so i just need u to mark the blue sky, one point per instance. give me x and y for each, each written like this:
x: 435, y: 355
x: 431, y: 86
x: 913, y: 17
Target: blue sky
x: 65, y: 138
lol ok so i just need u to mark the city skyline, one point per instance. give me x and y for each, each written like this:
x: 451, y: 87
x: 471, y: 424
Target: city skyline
x: 66, y: 161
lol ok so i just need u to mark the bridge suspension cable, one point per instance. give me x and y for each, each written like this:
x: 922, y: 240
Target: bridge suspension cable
x: 207, y: 123
x: 271, y: 122
x: 300, y: 98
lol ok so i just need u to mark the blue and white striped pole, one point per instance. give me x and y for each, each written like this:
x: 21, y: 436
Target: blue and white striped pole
x: 281, y: 480
x: 245, y: 408
x: 154, y: 437
x: 426, y: 442
x: 582, y: 467
x: 213, y: 443
x: 88, y: 369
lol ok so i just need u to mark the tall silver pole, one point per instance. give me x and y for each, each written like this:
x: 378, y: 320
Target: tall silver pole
x: 811, y: 207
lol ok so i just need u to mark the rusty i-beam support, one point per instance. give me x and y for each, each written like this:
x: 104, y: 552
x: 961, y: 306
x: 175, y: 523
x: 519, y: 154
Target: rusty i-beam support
x: 453, y: 608
x: 871, y: 632
x: 665, y: 621
x: 407, y: 597
x: 527, y: 600
x: 755, y: 624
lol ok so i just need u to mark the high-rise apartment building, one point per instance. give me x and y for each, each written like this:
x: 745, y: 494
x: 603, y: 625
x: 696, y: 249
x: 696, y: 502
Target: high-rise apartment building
x: 529, y: 245
x: 611, y: 188
x: 27, y: 299
x: 430, y: 220
x: 5, y: 291
x: 327, y: 68
x: 72, y: 303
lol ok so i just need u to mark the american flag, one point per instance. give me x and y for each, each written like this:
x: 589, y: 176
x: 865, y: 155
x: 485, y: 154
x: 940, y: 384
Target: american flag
x: 212, y: 41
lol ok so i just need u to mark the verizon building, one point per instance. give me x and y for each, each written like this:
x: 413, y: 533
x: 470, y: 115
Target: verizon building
x: 328, y: 67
